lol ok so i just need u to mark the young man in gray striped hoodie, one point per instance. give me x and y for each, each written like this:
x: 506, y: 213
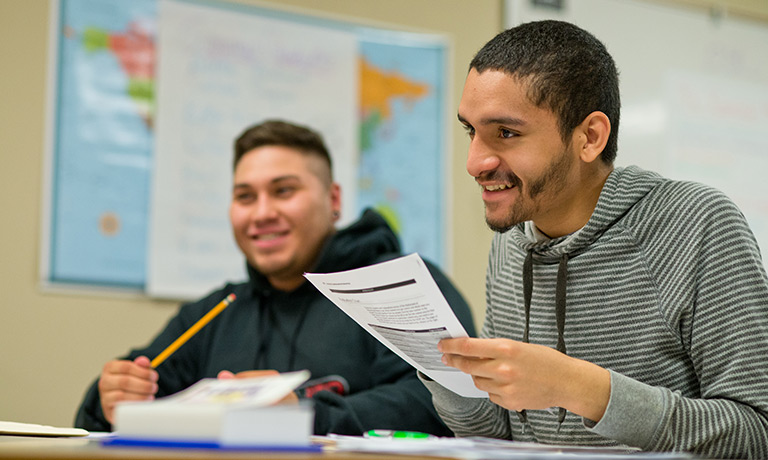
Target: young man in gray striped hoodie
x: 623, y: 308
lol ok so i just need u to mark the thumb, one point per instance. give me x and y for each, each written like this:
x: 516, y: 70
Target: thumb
x: 142, y: 361
x: 225, y: 375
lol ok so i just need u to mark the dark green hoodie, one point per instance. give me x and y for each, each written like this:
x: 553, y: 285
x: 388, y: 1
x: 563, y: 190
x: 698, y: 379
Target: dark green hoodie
x: 286, y: 331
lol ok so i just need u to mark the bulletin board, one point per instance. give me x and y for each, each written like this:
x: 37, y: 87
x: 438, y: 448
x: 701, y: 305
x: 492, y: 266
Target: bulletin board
x: 694, y: 89
x: 144, y: 110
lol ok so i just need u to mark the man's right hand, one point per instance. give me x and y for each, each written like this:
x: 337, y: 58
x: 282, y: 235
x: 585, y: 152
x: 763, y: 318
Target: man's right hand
x: 123, y: 380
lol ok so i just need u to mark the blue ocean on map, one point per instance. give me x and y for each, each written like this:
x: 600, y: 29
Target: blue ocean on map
x: 103, y: 152
x: 403, y: 169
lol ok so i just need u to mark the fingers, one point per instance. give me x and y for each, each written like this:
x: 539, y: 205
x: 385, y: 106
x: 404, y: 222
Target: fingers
x: 123, y: 380
x: 128, y: 380
x: 225, y: 375
x: 129, y: 376
x: 259, y: 373
x: 476, y: 356
x: 478, y: 348
x: 476, y: 367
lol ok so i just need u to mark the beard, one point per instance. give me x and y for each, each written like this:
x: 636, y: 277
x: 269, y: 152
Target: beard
x: 549, y: 183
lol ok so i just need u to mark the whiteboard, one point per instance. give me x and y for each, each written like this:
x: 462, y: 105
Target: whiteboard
x: 694, y: 91
x: 234, y: 70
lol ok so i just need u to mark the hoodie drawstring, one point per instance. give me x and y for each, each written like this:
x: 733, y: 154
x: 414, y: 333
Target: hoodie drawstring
x: 560, y: 291
x: 268, y: 324
x: 562, y: 278
x: 527, y: 293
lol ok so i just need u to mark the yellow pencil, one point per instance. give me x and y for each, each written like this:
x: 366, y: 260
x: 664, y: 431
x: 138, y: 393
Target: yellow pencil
x: 192, y: 331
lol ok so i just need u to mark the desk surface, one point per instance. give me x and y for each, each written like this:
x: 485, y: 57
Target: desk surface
x: 27, y: 448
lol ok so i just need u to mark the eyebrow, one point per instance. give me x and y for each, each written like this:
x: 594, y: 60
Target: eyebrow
x: 510, y: 121
x: 273, y: 181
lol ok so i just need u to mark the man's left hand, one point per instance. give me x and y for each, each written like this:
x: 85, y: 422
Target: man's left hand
x: 520, y: 376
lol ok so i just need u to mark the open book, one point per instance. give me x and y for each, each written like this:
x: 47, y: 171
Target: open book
x: 226, y: 413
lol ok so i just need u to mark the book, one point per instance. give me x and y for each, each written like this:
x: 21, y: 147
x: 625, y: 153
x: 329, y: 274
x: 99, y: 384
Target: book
x: 223, y: 413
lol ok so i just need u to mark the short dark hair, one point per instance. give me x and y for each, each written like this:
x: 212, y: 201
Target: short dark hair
x: 567, y: 69
x: 282, y: 133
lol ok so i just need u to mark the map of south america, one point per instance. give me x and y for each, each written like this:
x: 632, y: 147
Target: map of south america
x: 379, y: 90
x: 400, y: 171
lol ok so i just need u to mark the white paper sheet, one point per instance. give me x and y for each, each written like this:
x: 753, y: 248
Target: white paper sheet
x: 399, y: 303
x: 32, y: 429
x: 487, y: 448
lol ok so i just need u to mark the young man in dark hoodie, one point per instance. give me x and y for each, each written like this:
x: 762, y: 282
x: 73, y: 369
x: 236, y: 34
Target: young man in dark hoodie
x: 623, y: 308
x: 283, y: 210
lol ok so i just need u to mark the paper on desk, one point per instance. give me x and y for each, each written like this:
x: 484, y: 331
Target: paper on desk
x: 486, y: 449
x: 399, y: 303
x: 32, y: 429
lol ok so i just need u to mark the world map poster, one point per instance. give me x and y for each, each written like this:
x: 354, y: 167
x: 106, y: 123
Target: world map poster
x: 103, y: 142
x: 104, y: 138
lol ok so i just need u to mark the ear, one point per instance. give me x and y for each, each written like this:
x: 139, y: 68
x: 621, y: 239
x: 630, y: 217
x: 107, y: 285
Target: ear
x: 592, y: 134
x: 335, y: 193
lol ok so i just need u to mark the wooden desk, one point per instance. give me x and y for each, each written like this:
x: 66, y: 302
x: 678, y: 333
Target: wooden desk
x: 29, y: 448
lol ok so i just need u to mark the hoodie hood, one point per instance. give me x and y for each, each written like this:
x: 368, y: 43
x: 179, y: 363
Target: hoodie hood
x: 361, y: 243
x: 622, y: 190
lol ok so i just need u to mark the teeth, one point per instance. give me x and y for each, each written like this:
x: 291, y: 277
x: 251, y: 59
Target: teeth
x: 494, y: 188
x: 268, y: 236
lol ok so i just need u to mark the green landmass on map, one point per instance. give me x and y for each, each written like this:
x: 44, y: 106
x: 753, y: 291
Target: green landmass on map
x: 390, y: 215
x: 134, y: 49
x: 95, y: 39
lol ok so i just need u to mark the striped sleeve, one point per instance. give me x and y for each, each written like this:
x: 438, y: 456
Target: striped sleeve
x: 725, y: 333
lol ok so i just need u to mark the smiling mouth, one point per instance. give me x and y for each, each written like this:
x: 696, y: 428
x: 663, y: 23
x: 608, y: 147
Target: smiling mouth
x: 497, y: 181
x: 268, y: 236
x: 498, y: 187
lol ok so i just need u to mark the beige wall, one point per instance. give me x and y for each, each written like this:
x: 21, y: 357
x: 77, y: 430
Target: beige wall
x: 52, y: 344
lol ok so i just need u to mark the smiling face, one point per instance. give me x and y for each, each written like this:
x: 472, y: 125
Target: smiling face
x: 283, y: 209
x: 517, y: 155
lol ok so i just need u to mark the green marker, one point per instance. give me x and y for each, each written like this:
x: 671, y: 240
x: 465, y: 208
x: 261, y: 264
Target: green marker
x: 396, y: 434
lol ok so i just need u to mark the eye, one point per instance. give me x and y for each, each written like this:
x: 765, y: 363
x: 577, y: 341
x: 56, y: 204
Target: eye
x: 469, y: 130
x: 243, y: 197
x: 506, y: 133
x: 285, y: 191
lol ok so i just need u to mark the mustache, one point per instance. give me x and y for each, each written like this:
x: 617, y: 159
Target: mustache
x: 500, y: 176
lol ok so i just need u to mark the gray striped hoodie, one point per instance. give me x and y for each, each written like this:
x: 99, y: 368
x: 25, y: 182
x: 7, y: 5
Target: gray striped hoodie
x: 664, y: 287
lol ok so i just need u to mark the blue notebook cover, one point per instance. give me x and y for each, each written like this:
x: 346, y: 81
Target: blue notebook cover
x: 196, y: 444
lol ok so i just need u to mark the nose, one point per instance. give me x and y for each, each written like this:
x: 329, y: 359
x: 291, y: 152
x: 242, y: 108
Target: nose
x: 264, y: 209
x: 480, y: 159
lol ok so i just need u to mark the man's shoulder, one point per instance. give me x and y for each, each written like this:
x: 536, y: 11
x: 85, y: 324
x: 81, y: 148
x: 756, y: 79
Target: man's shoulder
x: 686, y: 200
